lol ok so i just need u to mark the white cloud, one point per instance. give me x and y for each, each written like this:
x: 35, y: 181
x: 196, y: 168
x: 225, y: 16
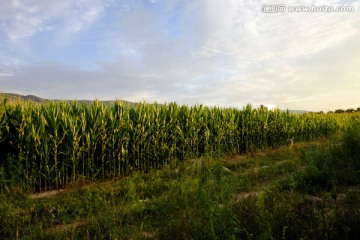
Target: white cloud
x: 6, y: 74
x: 212, y: 52
x: 22, y: 19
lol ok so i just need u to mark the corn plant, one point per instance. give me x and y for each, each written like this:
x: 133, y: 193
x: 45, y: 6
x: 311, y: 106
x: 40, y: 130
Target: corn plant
x: 47, y: 146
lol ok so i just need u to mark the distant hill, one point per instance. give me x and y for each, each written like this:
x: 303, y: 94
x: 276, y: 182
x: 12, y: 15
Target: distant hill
x: 17, y: 97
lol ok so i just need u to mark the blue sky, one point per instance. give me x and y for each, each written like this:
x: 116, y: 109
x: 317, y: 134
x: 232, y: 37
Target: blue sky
x: 226, y: 53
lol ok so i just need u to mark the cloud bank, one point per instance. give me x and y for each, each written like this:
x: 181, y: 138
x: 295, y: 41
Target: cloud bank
x: 226, y: 53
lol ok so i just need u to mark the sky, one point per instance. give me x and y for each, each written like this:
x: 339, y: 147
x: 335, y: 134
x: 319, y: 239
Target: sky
x: 225, y: 53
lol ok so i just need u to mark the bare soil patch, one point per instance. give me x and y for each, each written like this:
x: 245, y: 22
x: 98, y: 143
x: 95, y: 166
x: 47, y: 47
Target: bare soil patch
x: 45, y: 194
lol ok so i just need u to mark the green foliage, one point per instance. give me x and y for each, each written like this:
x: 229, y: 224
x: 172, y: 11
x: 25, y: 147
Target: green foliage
x: 330, y: 164
x: 320, y: 168
x: 339, y: 111
x: 352, y: 140
x: 188, y: 200
x: 51, y: 145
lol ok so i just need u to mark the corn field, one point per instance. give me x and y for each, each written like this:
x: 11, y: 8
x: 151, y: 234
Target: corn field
x: 47, y: 146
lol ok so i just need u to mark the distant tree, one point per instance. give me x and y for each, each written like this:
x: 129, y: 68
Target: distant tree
x: 350, y: 110
x: 330, y: 112
x: 358, y: 109
x: 339, y: 111
x: 321, y: 112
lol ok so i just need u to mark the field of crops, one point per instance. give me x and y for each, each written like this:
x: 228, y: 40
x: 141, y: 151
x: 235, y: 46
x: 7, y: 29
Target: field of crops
x: 47, y: 146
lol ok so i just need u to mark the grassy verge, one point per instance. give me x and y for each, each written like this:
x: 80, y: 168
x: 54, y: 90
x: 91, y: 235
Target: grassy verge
x: 308, y: 191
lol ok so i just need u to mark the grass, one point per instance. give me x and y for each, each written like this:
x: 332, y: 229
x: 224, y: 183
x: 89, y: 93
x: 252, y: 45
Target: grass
x: 308, y: 191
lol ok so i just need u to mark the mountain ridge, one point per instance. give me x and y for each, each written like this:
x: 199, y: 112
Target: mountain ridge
x: 33, y: 98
